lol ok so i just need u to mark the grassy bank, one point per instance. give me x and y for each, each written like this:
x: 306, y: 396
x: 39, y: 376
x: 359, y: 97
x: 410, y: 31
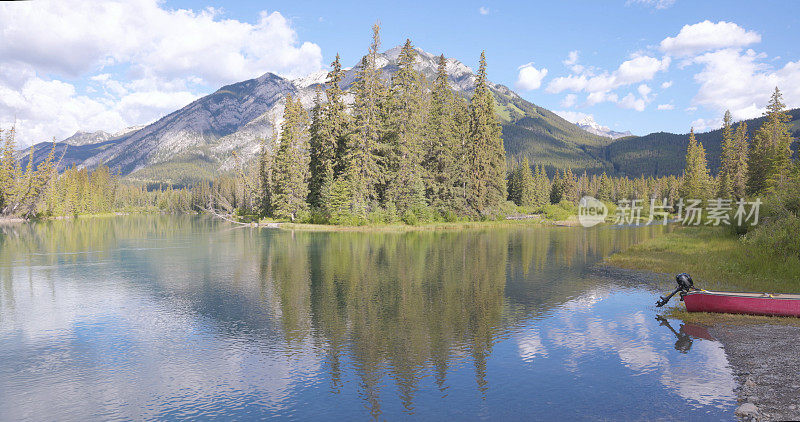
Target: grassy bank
x: 715, y: 258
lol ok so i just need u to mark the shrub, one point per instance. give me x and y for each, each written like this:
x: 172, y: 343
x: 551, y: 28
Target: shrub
x: 410, y: 218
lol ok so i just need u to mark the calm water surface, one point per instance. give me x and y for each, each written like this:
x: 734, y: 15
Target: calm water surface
x: 187, y: 318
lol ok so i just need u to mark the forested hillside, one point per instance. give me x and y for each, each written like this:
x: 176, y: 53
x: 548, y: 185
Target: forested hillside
x: 662, y: 153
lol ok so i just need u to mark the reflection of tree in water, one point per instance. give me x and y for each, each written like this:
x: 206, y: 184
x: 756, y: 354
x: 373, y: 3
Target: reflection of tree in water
x: 395, y: 304
x: 407, y: 304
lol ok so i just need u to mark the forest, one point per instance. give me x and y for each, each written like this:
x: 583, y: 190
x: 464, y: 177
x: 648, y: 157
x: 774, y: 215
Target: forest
x: 406, y: 150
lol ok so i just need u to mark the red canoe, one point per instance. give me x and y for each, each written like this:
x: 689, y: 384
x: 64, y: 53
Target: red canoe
x: 743, y: 303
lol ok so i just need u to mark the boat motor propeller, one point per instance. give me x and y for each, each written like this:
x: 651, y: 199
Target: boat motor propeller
x: 685, y: 285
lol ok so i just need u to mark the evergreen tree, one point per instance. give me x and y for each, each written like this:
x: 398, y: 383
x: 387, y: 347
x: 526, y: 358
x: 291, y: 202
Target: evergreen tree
x: 265, y: 181
x: 443, y: 152
x: 486, y: 187
x: 738, y: 169
x: 556, y: 189
x: 291, y: 175
x: 527, y: 195
x: 605, y: 190
x: 514, y: 184
x: 365, y: 152
x: 406, y: 123
x: 770, y: 153
x: 697, y: 182
x: 728, y: 158
x: 541, y: 188
x: 328, y: 134
x: 571, y: 192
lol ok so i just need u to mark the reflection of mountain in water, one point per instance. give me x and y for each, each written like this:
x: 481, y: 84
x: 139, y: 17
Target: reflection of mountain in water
x: 383, y: 310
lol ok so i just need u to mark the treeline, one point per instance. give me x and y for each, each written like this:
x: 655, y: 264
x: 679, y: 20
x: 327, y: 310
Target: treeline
x: 531, y: 188
x: 405, y: 149
x: 748, y: 168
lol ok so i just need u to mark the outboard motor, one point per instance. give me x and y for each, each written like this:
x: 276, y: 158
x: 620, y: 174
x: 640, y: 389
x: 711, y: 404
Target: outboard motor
x: 685, y: 285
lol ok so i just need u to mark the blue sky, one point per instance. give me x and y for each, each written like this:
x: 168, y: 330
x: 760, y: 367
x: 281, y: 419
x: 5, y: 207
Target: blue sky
x: 639, y: 65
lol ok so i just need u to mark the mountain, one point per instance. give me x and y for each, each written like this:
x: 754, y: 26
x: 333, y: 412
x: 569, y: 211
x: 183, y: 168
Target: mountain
x: 198, y: 141
x: 85, y: 138
x: 590, y: 125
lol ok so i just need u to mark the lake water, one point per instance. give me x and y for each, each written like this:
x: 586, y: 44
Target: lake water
x: 189, y: 318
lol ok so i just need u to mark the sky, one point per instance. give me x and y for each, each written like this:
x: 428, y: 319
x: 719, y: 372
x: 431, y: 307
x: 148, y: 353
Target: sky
x: 638, y: 65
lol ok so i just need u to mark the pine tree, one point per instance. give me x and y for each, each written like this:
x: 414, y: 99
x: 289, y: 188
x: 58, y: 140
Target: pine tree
x: 770, y: 153
x: 364, y: 157
x: 328, y: 134
x: 291, y: 173
x: 527, y: 196
x: 738, y: 172
x: 406, y: 123
x: 556, y: 189
x: 486, y: 187
x: 265, y: 181
x: 442, y: 147
x: 697, y: 182
x: 514, y: 184
x: 542, y: 188
x: 571, y: 193
x: 728, y: 157
x: 605, y: 188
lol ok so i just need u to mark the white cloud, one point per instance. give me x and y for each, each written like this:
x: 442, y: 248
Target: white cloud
x: 572, y: 62
x: 600, y: 97
x: 665, y: 85
x: 569, y: 100
x: 658, y: 4
x: 129, y: 60
x: 702, y: 125
x: 483, y: 10
x: 705, y: 36
x: 741, y: 82
x: 572, y: 116
x: 630, y: 101
x: 530, y: 77
x: 665, y: 107
x: 644, y: 90
x: 635, y: 70
x: 572, y: 58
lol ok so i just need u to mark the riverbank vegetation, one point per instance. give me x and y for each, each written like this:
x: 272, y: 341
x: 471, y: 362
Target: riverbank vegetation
x: 716, y: 258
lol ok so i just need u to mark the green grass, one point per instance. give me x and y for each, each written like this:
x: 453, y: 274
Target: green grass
x: 715, y: 258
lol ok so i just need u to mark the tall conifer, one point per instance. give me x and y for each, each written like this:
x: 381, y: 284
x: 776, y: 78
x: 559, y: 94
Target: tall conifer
x: 406, y: 122
x: 291, y: 175
x: 487, y: 162
x: 770, y: 153
x: 365, y: 152
x: 697, y: 181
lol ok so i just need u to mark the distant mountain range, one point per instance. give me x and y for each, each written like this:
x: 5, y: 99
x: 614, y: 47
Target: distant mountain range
x: 198, y: 141
x: 588, y: 124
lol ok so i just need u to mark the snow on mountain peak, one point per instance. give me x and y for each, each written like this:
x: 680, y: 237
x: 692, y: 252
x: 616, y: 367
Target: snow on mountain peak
x: 588, y: 124
x: 313, y: 78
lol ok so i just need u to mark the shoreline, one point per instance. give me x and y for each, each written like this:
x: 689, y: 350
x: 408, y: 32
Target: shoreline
x: 760, y: 350
x: 537, y: 220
